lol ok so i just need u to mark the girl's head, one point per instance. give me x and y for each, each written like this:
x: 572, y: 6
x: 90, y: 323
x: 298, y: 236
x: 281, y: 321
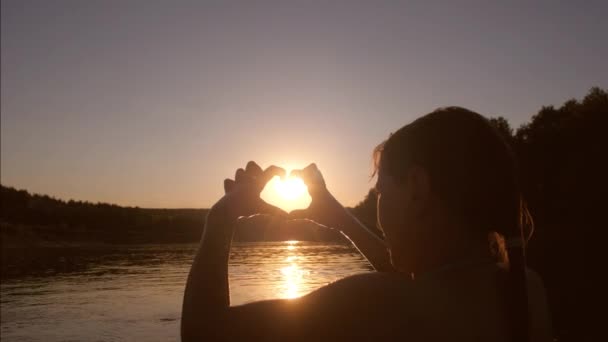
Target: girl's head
x: 447, y: 178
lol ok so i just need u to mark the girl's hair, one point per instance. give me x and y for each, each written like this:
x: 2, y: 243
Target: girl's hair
x: 474, y: 173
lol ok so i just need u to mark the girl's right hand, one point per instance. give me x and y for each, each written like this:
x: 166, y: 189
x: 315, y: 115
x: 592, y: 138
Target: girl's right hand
x: 324, y: 208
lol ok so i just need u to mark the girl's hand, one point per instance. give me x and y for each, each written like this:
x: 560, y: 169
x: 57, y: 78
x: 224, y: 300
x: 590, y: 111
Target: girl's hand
x: 242, y: 196
x: 324, y: 208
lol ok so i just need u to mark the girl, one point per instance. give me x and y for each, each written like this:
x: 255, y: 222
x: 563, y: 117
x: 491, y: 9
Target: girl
x: 448, y: 199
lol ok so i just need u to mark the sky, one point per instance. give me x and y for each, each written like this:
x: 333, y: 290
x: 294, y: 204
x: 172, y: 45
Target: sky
x: 154, y: 103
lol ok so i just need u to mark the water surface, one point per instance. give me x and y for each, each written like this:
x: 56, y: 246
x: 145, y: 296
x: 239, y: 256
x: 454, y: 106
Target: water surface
x: 135, y: 292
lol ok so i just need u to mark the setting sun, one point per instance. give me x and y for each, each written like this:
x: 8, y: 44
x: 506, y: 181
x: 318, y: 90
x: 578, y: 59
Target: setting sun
x: 290, y: 188
x: 288, y: 194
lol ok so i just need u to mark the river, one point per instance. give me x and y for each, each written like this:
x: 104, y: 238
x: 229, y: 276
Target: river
x: 134, y: 293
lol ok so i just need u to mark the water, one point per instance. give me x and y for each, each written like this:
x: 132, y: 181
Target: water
x: 135, y: 293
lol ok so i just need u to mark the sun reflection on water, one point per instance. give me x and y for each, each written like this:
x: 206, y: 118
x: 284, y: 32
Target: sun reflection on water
x: 292, y: 274
x: 291, y: 244
x: 288, y: 269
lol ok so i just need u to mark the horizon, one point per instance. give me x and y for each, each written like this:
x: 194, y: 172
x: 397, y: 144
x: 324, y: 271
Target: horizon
x: 153, y: 104
x: 266, y: 194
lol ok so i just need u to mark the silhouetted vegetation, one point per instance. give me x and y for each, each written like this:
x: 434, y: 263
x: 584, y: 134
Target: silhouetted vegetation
x: 40, y: 217
x: 562, y: 154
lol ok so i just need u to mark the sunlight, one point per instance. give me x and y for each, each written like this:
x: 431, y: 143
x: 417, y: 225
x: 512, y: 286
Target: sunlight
x: 291, y: 245
x: 290, y: 188
x: 287, y: 194
x: 293, y: 276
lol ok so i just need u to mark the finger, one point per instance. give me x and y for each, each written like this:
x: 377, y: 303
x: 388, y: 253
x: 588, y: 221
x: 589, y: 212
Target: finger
x: 228, y: 185
x: 306, y: 172
x: 272, y: 171
x: 312, y: 167
x: 314, y: 174
x: 310, y: 175
x: 300, y: 173
x: 253, y: 169
x: 239, y: 175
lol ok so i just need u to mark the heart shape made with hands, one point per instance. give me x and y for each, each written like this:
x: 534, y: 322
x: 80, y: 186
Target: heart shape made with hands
x: 289, y: 193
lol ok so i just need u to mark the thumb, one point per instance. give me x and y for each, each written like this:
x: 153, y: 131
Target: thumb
x: 311, y: 176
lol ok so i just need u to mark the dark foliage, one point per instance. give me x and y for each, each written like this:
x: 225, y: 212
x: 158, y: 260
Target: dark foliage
x: 49, y: 219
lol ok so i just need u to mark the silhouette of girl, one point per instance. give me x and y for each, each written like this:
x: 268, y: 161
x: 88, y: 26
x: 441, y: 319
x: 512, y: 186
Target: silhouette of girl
x: 448, y: 200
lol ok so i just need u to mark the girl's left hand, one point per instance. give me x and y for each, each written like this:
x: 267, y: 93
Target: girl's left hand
x: 242, y: 196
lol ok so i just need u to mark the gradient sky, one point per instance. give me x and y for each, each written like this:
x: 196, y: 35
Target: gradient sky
x: 154, y: 103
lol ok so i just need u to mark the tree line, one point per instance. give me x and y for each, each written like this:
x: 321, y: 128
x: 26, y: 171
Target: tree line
x: 48, y: 218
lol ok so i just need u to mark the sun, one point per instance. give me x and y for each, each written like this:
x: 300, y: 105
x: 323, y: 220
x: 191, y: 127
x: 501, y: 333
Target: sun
x: 288, y: 194
x: 290, y: 188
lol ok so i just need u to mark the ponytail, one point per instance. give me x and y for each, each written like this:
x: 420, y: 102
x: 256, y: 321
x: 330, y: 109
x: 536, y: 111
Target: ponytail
x: 516, y: 284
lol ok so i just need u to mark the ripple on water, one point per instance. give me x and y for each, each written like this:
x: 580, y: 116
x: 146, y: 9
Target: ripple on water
x: 136, y: 293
